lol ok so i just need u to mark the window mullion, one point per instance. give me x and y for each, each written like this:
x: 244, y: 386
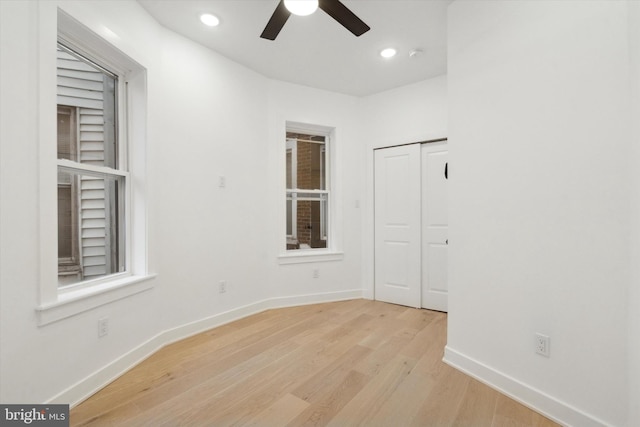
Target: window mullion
x: 69, y: 165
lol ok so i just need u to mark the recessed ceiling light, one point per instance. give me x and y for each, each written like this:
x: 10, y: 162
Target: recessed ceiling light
x: 209, y: 20
x: 301, y: 7
x: 388, y: 52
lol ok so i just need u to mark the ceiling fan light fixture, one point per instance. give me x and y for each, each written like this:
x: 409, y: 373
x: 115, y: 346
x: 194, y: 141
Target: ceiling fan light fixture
x: 301, y: 7
x: 388, y: 52
x: 209, y: 20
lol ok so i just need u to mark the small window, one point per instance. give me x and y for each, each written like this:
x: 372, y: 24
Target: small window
x: 91, y: 177
x: 307, y: 193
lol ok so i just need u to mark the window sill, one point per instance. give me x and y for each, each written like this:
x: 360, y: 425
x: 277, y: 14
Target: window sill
x: 72, y: 302
x: 304, y: 256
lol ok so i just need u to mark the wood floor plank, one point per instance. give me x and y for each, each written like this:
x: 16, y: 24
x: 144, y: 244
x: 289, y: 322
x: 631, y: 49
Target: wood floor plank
x: 418, y: 319
x: 377, y: 359
x: 429, y: 339
x: 443, y: 400
x: 362, y: 408
x: 327, y: 404
x: 281, y: 413
x: 510, y: 413
x: 348, y: 326
x: 345, y: 312
x: 349, y: 363
x: 402, y: 404
x: 324, y: 380
x: 478, y: 405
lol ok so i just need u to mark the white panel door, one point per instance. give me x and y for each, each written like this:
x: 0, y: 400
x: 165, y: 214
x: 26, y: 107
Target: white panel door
x: 397, y: 225
x: 435, y: 226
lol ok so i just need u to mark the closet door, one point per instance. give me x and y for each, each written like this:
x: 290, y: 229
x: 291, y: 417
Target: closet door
x: 397, y: 225
x: 435, y: 226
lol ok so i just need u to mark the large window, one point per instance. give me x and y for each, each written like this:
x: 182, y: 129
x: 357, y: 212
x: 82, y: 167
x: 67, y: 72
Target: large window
x: 92, y: 174
x: 92, y: 157
x: 307, y: 192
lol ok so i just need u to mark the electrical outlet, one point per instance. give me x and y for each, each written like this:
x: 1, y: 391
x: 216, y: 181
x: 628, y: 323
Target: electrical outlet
x: 222, y: 181
x: 103, y: 327
x: 316, y: 273
x: 223, y: 286
x: 542, y: 345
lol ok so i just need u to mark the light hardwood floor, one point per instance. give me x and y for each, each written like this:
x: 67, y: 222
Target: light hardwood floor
x: 340, y: 364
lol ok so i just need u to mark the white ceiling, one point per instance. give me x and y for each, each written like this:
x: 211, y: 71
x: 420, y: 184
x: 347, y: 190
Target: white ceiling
x: 316, y: 50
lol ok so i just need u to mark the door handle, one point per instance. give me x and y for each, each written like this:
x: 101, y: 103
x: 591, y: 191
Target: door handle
x: 447, y: 242
x: 446, y: 170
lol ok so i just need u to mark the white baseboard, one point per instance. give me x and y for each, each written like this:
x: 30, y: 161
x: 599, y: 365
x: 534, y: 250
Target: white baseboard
x: 85, y: 388
x: 552, y: 408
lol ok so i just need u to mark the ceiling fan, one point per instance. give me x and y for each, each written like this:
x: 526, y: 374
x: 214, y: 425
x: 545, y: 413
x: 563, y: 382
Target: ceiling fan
x: 333, y: 8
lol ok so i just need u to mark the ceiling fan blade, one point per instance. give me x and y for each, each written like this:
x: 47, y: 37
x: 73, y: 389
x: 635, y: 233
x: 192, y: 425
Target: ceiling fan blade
x: 275, y: 24
x: 344, y: 16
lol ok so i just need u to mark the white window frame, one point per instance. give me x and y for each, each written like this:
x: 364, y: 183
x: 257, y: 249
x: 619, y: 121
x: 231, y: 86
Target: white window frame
x: 292, y: 147
x: 294, y: 193
x: 333, y: 251
x: 120, y: 170
x: 323, y: 203
x: 56, y: 302
x: 76, y: 248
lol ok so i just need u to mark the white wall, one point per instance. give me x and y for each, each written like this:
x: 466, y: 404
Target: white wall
x: 634, y: 290
x: 305, y: 105
x: 207, y: 117
x: 209, y: 122
x: 540, y: 140
x: 18, y: 285
x: 412, y: 113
